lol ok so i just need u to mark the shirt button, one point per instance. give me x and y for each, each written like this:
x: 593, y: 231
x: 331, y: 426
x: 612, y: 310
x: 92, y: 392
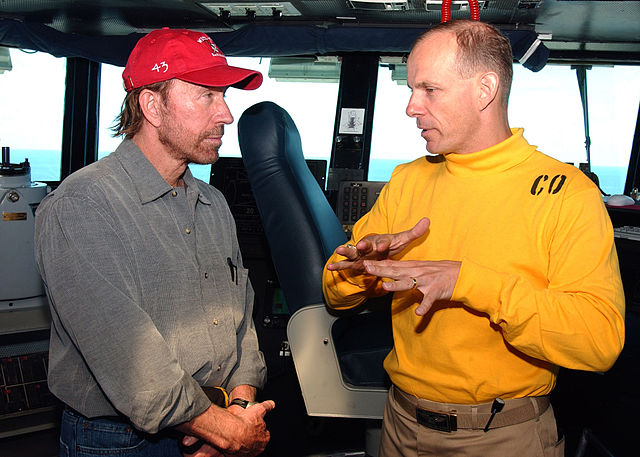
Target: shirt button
x: 206, y: 276
x: 215, y: 322
x: 174, y: 193
x: 187, y: 231
x: 219, y: 367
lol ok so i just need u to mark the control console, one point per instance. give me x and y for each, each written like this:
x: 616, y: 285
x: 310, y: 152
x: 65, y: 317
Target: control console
x: 355, y: 199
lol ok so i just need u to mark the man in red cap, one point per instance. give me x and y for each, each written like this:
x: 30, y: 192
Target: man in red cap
x: 148, y: 295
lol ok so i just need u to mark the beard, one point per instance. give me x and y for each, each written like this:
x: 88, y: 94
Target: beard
x: 183, y: 146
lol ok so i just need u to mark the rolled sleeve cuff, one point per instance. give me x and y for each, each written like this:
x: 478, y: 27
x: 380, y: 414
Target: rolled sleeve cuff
x: 159, y: 410
x: 252, y: 374
x: 346, y: 288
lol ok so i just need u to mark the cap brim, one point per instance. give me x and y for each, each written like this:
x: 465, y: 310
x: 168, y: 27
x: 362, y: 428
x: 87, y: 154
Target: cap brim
x: 224, y: 76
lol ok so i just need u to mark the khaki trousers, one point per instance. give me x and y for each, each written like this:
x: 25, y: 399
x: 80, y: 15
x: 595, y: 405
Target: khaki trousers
x: 402, y: 436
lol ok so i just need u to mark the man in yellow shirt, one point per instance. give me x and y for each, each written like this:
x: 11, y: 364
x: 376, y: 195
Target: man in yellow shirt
x: 501, y: 260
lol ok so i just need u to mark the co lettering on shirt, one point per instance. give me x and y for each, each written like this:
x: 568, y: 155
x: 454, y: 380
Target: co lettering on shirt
x: 550, y: 185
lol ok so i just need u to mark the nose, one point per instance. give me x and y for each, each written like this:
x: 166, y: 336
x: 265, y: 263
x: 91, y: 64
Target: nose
x: 412, y: 107
x: 223, y: 113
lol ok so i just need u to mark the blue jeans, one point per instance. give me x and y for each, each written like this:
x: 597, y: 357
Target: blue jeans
x: 82, y: 437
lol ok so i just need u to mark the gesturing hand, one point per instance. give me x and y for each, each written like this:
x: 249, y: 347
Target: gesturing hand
x: 435, y: 279
x: 377, y: 247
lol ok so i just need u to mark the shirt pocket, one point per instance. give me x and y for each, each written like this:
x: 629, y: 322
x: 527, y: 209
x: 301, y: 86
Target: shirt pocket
x: 241, y: 289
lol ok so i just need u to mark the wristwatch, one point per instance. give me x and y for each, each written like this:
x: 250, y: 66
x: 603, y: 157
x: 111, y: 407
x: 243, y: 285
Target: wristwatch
x: 242, y: 402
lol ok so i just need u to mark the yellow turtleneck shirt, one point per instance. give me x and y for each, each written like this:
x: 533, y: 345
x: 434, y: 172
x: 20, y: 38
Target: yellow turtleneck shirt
x: 539, y: 284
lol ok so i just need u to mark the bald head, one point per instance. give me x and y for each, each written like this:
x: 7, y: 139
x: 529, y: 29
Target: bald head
x: 480, y: 47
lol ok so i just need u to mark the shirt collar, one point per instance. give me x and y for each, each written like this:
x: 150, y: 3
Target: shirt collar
x: 194, y: 186
x: 497, y: 158
x: 149, y: 183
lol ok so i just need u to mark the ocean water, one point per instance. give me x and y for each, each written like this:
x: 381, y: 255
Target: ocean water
x: 45, y: 166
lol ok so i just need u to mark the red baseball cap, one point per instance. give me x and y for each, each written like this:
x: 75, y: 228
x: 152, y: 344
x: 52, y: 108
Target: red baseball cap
x: 186, y: 55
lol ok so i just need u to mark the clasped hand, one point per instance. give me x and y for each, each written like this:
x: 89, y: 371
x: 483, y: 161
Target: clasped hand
x: 243, y: 432
x: 435, y: 279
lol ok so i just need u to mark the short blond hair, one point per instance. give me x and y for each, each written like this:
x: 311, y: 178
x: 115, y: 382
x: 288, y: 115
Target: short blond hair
x: 481, y: 47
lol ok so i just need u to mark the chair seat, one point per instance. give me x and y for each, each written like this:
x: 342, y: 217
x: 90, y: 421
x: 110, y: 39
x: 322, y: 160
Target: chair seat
x: 362, y: 342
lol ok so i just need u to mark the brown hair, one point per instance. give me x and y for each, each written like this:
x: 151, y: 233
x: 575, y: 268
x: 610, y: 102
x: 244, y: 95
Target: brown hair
x: 481, y: 47
x: 129, y: 120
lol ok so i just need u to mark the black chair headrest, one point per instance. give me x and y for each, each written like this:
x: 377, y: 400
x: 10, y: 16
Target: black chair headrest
x: 301, y: 227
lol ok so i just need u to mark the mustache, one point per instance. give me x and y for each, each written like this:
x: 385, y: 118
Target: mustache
x: 218, y: 131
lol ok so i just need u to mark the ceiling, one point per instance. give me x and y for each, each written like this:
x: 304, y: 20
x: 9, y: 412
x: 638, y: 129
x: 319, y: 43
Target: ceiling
x: 584, y: 27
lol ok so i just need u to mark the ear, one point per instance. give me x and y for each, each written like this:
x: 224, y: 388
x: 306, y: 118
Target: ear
x: 151, y: 105
x: 488, y: 86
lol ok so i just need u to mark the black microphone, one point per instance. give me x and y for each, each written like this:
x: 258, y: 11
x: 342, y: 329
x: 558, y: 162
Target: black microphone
x: 496, y: 407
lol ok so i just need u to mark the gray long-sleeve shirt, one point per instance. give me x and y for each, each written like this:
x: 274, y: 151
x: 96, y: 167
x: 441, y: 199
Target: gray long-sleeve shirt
x: 148, y: 296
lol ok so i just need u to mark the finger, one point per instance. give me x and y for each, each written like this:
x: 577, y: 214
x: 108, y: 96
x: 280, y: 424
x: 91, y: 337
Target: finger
x: 206, y: 451
x: 190, y: 447
x: 188, y: 440
x: 269, y: 405
x: 261, y: 409
x: 415, y: 232
x: 420, y: 228
x: 348, y: 250
x: 372, y: 244
x: 342, y: 265
x: 393, y: 269
x: 400, y: 284
x: 235, y: 409
x: 382, y: 244
x: 424, y: 307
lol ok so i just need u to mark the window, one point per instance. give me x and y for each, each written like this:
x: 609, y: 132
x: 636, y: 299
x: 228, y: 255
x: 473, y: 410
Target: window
x: 32, y: 100
x: 546, y: 104
x: 311, y: 105
x: 111, y: 97
x: 614, y: 98
x: 396, y: 138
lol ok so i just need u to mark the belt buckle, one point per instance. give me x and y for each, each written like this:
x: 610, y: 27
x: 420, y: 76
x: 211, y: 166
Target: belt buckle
x: 437, y: 421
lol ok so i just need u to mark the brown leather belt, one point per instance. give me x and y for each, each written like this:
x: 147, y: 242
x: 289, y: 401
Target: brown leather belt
x: 449, y: 417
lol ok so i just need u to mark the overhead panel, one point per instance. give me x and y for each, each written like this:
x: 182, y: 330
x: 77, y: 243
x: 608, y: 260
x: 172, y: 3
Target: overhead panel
x: 574, y: 25
x: 529, y: 4
x: 456, y: 5
x: 307, y: 69
x: 398, y: 67
x: 255, y: 9
x: 380, y: 5
x: 428, y: 5
x: 5, y: 60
